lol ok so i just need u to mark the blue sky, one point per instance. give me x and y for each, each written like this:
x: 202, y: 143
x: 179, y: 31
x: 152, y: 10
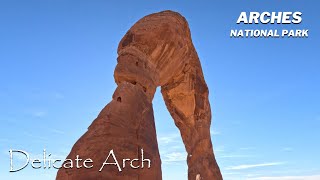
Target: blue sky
x: 56, y: 74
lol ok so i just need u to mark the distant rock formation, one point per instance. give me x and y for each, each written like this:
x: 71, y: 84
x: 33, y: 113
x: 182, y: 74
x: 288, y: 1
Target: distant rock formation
x: 156, y: 51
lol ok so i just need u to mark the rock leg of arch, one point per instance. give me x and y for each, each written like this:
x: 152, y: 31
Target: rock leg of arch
x: 186, y: 98
x: 156, y: 51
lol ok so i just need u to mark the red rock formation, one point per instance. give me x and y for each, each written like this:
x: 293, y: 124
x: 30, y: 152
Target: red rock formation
x: 156, y: 51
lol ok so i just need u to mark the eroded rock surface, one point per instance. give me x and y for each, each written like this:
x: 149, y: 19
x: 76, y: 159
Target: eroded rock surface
x: 156, y: 51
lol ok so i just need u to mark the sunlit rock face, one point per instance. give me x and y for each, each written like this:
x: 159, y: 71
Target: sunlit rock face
x: 156, y: 51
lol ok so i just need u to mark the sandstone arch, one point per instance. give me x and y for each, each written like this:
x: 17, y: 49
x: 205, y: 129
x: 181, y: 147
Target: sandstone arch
x: 156, y: 51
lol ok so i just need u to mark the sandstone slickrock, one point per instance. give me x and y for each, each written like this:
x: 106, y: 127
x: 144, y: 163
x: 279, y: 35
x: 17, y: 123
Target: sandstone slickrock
x: 156, y: 51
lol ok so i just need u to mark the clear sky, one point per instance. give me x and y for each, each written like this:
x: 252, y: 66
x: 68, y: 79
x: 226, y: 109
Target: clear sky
x: 56, y: 74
